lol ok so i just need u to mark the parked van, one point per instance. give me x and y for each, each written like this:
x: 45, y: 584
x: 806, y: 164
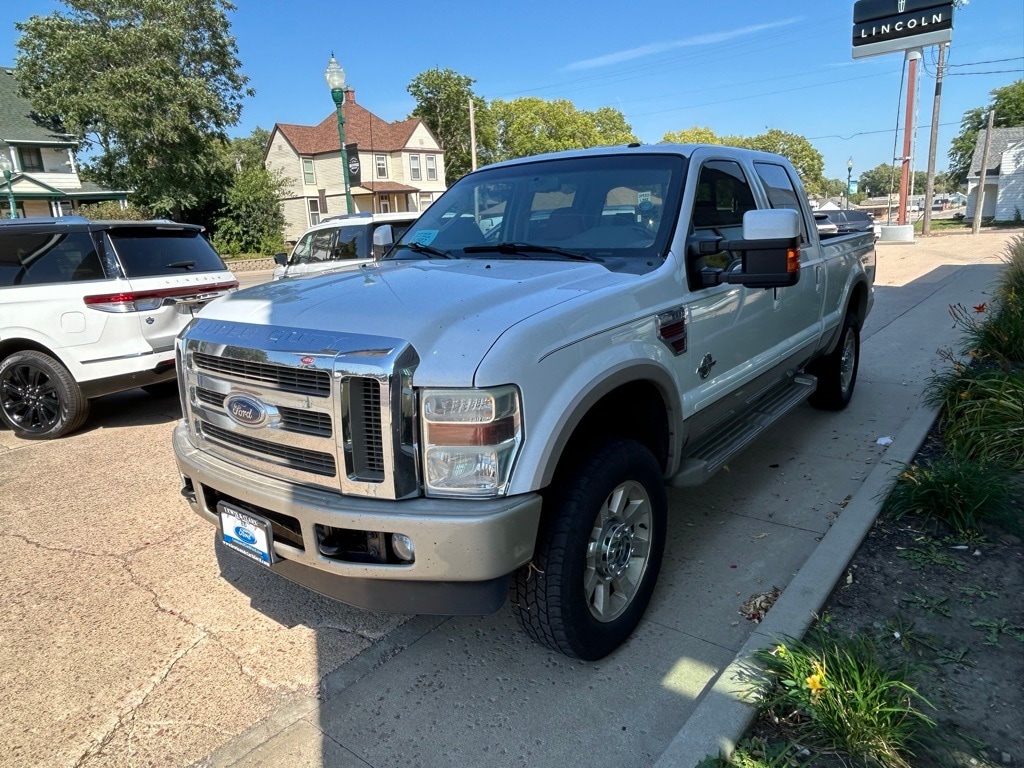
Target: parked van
x: 343, y: 242
x: 88, y: 308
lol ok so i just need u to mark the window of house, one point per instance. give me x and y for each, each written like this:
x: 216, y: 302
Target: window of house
x: 381, y: 161
x: 385, y: 204
x: 781, y: 191
x: 308, y: 174
x: 414, y: 167
x: 431, y: 168
x: 31, y: 159
x: 425, y: 200
x: 314, y: 211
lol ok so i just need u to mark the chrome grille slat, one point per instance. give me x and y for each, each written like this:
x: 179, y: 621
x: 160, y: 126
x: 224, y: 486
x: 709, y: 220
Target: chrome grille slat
x: 292, y: 419
x: 303, y: 380
x: 316, y: 462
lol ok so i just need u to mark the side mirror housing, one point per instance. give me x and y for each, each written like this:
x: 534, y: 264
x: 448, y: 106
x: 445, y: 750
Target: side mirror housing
x: 383, y: 238
x: 281, y: 259
x: 769, y: 251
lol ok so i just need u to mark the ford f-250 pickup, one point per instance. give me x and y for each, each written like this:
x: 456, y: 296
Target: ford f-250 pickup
x: 498, y: 405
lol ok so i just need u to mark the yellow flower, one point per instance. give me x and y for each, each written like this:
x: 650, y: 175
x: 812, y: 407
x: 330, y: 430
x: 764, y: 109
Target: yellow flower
x: 780, y: 651
x: 816, y: 682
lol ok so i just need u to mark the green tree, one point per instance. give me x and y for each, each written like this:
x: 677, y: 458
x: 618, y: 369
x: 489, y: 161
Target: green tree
x: 799, y: 151
x: 833, y: 188
x: 109, y: 210
x: 150, y: 85
x: 442, y: 103
x: 250, y: 219
x: 881, y: 180
x: 1008, y: 102
x: 530, y: 126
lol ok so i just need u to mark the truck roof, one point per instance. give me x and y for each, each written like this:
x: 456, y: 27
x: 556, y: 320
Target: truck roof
x: 684, y: 150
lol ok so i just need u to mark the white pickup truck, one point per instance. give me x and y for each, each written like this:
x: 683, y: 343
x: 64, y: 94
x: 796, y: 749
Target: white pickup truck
x: 500, y: 402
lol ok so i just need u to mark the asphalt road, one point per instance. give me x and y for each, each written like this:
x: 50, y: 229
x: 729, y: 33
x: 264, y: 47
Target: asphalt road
x: 129, y: 638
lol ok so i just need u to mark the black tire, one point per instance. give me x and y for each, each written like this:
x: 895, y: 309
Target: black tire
x: 167, y: 388
x: 595, y: 566
x: 837, y: 371
x: 39, y: 399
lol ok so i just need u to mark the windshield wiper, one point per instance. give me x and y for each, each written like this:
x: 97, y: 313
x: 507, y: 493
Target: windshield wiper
x: 181, y: 265
x: 523, y: 248
x: 429, y: 250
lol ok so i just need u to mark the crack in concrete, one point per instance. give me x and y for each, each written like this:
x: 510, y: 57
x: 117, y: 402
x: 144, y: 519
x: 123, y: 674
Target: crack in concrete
x: 65, y: 550
x: 142, y: 696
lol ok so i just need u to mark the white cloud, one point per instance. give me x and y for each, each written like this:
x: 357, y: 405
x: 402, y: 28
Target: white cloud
x: 653, y: 48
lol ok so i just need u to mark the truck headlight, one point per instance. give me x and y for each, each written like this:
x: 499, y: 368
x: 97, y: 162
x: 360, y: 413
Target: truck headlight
x: 471, y: 438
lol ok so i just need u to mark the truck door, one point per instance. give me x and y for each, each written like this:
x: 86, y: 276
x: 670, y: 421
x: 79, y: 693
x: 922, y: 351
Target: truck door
x: 730, y: 326
x: 797, y: 308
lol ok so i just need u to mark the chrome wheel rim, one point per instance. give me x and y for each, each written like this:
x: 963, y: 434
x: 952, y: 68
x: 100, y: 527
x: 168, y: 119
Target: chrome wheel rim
x: 848, y: 361
x: 29, y: 398
x: 618, y: 551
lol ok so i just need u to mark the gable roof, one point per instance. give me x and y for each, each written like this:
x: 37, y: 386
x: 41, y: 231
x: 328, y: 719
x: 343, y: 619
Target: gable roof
x: 362, y: 127
x: 18, y: 122
x: 1002, y: 140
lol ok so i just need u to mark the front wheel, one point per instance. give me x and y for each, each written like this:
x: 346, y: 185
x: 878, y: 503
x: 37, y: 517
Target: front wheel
x: 39, y: 399
x: 598, y: 553
x: 837, y: 371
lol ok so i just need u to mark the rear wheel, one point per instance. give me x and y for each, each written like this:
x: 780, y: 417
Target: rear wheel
x: 39, y: 399
x: 598, y: 553
x: 837, y: 371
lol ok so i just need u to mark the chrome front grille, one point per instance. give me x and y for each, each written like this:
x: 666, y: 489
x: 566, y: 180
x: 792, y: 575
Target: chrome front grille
x: 301, y: 380
x: 336, y: 412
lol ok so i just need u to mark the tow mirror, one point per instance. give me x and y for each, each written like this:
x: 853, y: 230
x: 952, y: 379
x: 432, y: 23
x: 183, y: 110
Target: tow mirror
x: 383, y: 238
x: 769, y: 251
x: 281, y: 259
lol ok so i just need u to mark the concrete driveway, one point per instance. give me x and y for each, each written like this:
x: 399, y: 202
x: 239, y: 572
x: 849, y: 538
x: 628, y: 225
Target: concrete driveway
x: 129, y: 638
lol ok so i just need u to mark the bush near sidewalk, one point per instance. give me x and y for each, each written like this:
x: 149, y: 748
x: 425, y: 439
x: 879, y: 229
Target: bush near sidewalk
x: 854, y: 691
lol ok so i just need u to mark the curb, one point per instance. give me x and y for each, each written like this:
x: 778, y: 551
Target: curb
x: 724, y: 713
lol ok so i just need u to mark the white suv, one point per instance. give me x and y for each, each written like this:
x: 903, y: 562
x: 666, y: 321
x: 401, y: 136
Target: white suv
x: 343, y: 242
x: 88, y: 308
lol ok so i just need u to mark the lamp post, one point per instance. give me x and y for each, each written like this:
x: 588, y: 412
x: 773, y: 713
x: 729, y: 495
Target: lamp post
x: 6, y: 167
x: 849, y: 173
x: 335, y: 77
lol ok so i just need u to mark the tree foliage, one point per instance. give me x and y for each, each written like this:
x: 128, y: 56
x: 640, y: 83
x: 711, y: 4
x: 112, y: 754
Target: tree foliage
x: 442, y: 103
x: 530, y: 126
x: 110, y: 210
x: 797, y: 149
x: 150, y: 85
x: 251, y: 219
x: 1008, y: 102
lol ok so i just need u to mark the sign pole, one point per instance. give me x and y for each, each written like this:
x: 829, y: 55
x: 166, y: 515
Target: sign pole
x: 912, y: 56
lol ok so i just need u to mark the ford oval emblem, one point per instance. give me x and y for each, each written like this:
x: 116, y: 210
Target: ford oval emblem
x: 245, y: 535
x: 246, y: 410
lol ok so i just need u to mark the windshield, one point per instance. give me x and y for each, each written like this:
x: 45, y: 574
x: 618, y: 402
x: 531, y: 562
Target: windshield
x: 332, y: 244
x: 615, y: 209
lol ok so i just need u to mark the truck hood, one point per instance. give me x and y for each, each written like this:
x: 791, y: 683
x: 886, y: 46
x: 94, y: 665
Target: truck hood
x: 451, y: 311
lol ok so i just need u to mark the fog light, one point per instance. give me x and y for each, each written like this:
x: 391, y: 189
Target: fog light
x: 402, y: 546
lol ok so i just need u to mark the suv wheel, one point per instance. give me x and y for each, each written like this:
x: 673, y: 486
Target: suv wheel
x: 39, y: 399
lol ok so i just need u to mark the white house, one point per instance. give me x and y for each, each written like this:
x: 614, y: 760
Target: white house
x: 44, y: 179
x: 401, y: 166
x: 1004, y: 178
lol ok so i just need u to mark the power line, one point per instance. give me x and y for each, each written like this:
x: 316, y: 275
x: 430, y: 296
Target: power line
x: 990, y: 61
x: 870, y: 133
x: 989, y: 72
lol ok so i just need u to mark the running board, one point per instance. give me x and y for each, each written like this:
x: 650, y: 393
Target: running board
x: 712, y: 453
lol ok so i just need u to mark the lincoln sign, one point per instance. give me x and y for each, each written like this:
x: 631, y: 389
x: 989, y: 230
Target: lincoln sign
x: 886, y: 26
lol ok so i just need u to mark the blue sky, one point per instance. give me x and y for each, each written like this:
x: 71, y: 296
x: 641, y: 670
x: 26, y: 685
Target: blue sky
x: 736, y: 67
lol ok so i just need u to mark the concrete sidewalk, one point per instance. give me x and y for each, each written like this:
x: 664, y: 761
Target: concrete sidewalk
x: 789, y: 513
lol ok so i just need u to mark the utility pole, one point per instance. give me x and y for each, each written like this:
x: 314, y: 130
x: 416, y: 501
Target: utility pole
x: 984, y: 167
x: 908, y: 130
x: 929, y: 188
x: 472, y: 135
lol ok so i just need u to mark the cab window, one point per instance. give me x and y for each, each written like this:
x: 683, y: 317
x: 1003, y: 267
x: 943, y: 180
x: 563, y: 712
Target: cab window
x: 313, y: 247
x: 723, y: 196
x: 781, y: 191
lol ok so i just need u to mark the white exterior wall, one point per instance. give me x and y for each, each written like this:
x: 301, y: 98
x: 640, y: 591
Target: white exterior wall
x: 991, y: 194
x: 1010, y: 200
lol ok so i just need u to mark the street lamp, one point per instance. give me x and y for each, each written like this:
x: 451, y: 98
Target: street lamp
x: 6, y: 167
x: 335, y: 77
x: 849, y: 173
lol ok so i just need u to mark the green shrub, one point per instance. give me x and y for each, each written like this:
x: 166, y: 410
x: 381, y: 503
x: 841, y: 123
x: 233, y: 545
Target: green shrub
x: 110, y: 210
x: 837, y: 694
x: 960, y: 492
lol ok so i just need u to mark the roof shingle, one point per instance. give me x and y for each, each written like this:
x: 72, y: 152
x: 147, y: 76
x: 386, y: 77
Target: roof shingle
x: 1002, y: 140
x: 18, y: 123
x: 362, y: 127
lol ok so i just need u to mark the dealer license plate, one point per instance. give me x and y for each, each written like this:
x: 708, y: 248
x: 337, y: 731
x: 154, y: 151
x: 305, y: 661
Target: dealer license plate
x: 246, y: 533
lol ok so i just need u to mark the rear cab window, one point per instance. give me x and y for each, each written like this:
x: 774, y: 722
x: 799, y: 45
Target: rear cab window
x: 158, y: 252
x: 781, y: 191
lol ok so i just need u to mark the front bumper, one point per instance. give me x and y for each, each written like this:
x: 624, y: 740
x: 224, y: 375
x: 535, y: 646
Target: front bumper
x: 465, y: 549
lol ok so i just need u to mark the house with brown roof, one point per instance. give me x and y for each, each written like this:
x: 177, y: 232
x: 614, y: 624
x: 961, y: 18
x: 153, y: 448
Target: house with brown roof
x: 41, y: 161
x: 401, y: 166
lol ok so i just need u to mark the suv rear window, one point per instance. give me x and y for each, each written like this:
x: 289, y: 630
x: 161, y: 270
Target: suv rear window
x: 158, y: 252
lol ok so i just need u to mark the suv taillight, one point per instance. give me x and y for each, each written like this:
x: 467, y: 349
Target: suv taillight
x: 145, y: 301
